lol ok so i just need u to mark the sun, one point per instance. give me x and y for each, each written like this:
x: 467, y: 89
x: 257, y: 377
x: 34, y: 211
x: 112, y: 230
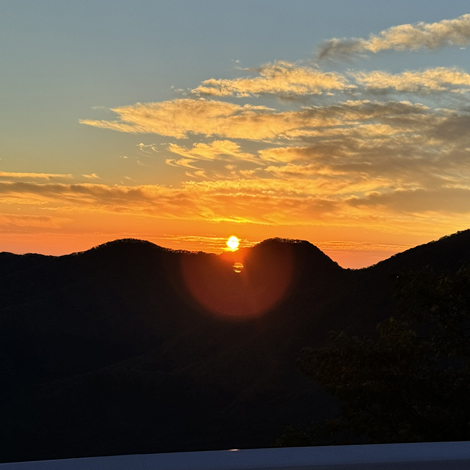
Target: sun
x: 233, y: 243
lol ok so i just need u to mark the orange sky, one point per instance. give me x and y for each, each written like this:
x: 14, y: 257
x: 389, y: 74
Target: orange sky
x: 361, y: 147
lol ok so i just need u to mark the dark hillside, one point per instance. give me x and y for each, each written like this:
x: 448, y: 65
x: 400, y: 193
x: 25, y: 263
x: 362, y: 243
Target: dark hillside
x: 445, y: 254
x: 130, y: 348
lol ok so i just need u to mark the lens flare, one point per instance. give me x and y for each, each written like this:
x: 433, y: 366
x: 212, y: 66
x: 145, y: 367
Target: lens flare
x: 233, y: 243
x: 238, y: 267
x: 239, y: 285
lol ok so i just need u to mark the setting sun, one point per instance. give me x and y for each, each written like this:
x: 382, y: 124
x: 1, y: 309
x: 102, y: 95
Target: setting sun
x: 233, y: 243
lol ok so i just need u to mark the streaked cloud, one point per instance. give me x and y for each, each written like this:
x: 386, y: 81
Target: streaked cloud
x: 92, y: 176
x: 23, y: 175
x: 284, y: 154
x: 261, y: 200
x: 454, y: 32
x: 430, y: 80
x: 20, y: 220
x: 281, y: 78
x: 257, y: 201
x: 183, y: 117
x: 216, y: 150
x: 444, y: 199
x: 183, y: 162
x: 303, y: 197
x: 344, y: 151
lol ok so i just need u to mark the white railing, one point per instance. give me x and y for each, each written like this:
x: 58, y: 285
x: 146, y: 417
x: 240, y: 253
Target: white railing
x: 429, y: 456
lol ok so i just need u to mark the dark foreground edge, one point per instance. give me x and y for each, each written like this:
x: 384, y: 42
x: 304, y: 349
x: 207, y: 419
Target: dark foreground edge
x: 433, y: 456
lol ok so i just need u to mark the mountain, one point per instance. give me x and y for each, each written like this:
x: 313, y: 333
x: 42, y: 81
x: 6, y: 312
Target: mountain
x: 133, y: 348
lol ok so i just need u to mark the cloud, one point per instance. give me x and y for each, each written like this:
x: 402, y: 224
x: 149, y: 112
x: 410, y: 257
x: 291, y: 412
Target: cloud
x: 280, y: 78
x: 151, y: 199
x: 47, y: 176
x: 345, y: 149
x: 294, y: 170
x: 263, y: 201
x: 430, y: 80
x: 455, y: 32
x: 450, y: 200
x: 370, y: 160
x: 284, y: 154
x: 453, y: 130
x: 183, y: 162
x: 216, y: 150
x: 184, y: 117
x: 92, y: 176
x: 16, y: 220
x: 300, y: 195
x: 147, y: 149
x: 197, y: 174
x: 423, y: 150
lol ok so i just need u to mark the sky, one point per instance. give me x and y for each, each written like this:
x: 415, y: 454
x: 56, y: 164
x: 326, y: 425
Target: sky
x: 343, y: 123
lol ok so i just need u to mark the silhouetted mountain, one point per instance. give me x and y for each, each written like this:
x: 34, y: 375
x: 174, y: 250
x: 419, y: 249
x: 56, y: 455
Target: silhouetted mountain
x: 130, y: 347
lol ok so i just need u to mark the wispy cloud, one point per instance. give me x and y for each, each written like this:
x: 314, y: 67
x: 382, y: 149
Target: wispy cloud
x: 426, y: 81
x: 183, y: 117
x: 281, y: 78
x: 257, y: 201
x: 92, y: 176
x: 216, y: 150
x: 285, y: 154
x: 183, y: 162
x: 17, y: 220
x: 440, y: 200
x: 348, y: 149
x: 454, y: 32
x: 294, y: 197
x: 354, y: 151
x: 47, y: 176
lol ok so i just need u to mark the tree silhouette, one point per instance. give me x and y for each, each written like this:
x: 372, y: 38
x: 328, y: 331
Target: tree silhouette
x: 409, y: 384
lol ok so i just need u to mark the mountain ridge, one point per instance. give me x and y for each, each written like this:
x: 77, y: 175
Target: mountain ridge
x: 120, y: 242
x: 115, y: 350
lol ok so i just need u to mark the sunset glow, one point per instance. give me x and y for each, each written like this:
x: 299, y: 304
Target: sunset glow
x: 322, y: 121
